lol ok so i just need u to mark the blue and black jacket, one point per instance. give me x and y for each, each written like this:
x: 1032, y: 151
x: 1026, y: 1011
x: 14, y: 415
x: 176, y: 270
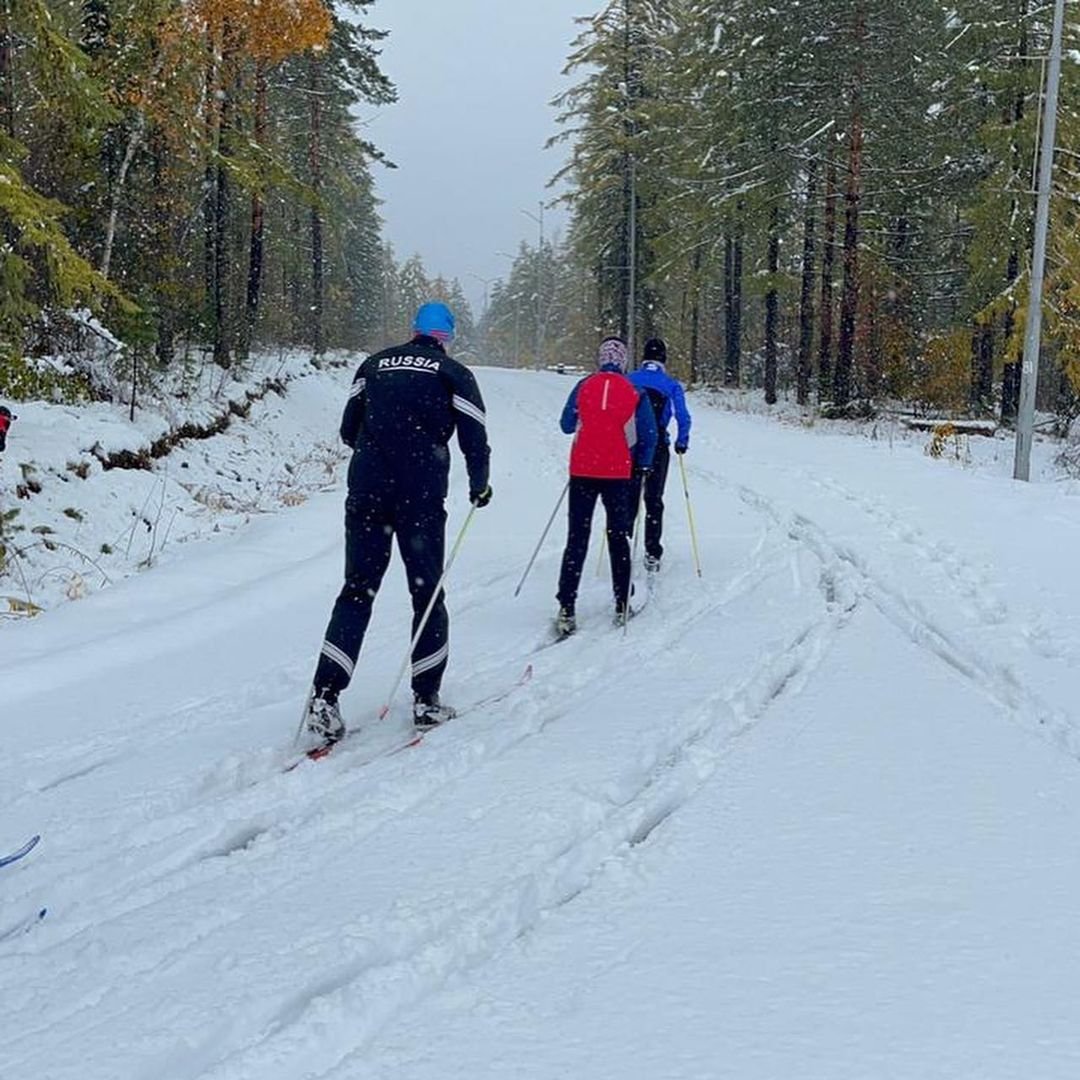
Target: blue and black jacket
x: 667, y: 397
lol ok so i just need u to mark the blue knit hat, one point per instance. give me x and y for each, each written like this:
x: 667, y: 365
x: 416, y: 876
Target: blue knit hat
x: 435, y: 320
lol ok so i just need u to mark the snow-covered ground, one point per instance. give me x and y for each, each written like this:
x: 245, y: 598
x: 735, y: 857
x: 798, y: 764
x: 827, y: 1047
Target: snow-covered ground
x: 77, y: 524
x: 813, y: 816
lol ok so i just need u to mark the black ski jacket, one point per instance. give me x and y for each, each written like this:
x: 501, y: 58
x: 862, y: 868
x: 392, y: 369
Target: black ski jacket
x: 404, y: 405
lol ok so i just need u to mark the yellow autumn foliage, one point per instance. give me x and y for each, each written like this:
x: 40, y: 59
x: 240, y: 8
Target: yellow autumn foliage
x: 947, y: 360
x: 267, y: 30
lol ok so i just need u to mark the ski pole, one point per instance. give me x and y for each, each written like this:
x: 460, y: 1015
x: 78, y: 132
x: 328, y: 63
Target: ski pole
x: 427, y: 613
x: 639, y: 514
x: 690, y: 515
x: 543, y: 537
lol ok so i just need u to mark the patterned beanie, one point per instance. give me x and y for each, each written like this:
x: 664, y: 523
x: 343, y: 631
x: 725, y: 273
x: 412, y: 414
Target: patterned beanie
x: 612, y: 351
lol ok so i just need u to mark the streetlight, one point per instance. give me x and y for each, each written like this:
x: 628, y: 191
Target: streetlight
x: 539, y: 264
x: 486, y: 281
x: 482, y: 324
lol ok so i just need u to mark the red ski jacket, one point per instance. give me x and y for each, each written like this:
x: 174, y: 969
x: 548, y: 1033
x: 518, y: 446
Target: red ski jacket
x: 610, y: 427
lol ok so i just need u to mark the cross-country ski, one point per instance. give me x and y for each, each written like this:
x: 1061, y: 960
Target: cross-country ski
x: 15, y: 856
x: 378, y: 742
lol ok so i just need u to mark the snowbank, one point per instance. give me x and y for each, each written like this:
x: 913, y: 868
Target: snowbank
x: 89, y: 494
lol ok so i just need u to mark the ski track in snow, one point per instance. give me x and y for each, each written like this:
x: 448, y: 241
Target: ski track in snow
x: 182, y: 880
x: 998, y: 682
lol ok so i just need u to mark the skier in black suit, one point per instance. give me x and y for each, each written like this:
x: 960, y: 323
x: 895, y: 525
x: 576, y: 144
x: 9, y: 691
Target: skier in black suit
x: 405, y: 404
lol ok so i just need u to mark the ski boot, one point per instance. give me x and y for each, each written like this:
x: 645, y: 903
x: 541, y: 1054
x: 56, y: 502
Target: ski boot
x: 652, y: 564
x: 624, y: 610
x: 429, y: 713
x: 565, y: 623
x: 323, y: 722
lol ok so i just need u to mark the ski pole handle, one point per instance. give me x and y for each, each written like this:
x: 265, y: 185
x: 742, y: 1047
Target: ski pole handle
x: 690, y: 516
x: 543, y: 536
x: 427, y: 612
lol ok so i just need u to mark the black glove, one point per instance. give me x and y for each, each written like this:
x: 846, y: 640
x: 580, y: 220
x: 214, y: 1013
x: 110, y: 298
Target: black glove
x: 481, y: 498
x: 641, y: 471
x: 680, y: 448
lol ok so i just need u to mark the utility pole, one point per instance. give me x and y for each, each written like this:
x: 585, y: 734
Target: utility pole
x: 483, y: 314
x: 1029, y: 377
x: 631, y: 94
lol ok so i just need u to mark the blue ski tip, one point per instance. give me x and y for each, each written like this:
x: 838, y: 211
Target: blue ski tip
x: 15, y: 856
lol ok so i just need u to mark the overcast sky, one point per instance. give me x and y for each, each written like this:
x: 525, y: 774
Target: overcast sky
x: 474, y: 79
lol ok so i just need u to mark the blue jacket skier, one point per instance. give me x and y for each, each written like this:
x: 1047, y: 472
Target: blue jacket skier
x: 404, y: 405
x: 668, y: 399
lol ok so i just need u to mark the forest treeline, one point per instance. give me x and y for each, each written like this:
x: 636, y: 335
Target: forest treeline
x: 186, y: 180
x: 830, y: 198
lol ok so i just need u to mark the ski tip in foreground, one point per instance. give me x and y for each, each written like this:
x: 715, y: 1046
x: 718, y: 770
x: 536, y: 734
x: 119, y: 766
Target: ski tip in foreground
x: 24, y: 850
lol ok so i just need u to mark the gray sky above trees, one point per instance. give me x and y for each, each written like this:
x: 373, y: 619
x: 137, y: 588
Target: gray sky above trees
x: 474, y: 78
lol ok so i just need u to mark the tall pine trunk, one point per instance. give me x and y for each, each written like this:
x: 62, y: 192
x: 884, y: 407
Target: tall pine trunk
x: 222, y: 350
x: 258, y: 218
x: 733, y: 260
x: 135, y: 137
x: 695, y: 316
x: 208, y: 201
x: 318, y: 345
x: 980, y: 398
x: 1010, y: 376
x: 772, y: 304
x: 294, y: 276
x: 828, y: 262
x: 165, y: 261
x: 849, y: 297
x: 729, y: 262
x: 806, y: 293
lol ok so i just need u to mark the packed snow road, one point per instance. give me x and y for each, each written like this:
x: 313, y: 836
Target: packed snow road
x: 813, y: 815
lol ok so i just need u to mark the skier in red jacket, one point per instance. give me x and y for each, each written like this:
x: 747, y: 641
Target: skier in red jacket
x: 615, y: 437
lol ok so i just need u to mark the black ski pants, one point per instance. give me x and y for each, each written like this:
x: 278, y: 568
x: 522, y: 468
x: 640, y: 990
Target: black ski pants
x: 653, y: 498
x: 372, y: 520
x: 618, y: 499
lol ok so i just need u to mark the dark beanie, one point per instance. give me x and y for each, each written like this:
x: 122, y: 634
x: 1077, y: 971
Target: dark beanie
x: 655, y: 349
